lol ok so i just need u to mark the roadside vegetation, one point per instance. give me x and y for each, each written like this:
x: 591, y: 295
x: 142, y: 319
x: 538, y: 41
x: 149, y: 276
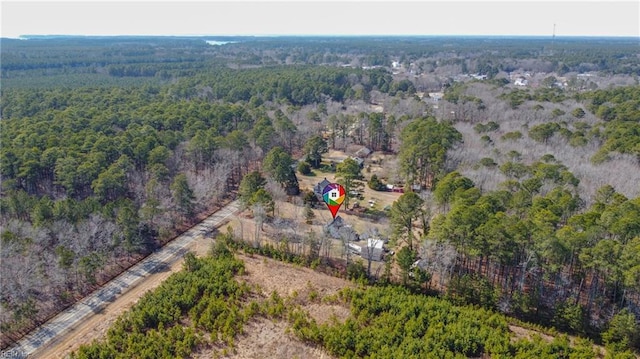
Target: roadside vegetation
x: 384, y: 321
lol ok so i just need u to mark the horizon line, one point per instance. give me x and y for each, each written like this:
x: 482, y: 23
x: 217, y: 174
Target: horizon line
x: 27, y: 36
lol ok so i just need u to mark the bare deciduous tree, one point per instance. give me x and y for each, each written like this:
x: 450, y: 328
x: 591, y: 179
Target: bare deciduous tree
x: 439, y: 258
x: 259, y: 215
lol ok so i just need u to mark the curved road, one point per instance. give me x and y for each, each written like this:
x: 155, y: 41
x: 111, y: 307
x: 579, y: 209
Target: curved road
x: 99, y: 299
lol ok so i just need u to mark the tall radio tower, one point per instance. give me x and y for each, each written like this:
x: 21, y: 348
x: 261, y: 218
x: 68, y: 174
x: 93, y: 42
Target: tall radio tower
x: 553, y: 38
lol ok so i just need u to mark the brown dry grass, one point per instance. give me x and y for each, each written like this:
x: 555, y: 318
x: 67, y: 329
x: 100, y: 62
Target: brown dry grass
x: 267, y: 339
x: 382, y: 199
x: 270, y: 275
x: 264, y: 338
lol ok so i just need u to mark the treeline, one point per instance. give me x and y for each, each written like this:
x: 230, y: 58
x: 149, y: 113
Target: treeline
x: 72, y: 62
x: 532, y: 248
x: 297, y: 85
x: 517, y: 97
x: 391, y: 322
x: 34, y: 61
x: 82, y: 52
x: 475, y: 55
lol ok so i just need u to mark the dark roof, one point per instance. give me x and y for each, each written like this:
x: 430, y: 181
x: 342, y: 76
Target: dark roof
x: 321, y: 185
x: 363, y: 152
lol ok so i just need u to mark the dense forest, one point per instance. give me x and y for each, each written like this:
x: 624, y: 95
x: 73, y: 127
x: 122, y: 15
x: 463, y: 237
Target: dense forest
x: 93, y: 175
x: 526, y: 201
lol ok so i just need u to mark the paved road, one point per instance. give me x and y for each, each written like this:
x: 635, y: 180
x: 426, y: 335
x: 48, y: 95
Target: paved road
x: 99, y: 299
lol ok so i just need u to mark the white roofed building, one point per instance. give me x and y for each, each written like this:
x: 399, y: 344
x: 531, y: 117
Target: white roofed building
x: 374, y: 249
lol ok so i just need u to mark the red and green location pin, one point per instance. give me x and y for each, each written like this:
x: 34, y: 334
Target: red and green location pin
x: 333, y: 195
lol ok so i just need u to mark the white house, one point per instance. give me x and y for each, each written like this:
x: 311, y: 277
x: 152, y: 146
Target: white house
x: 374, y: 249
x: 479, y: 77
x: 521, y: 81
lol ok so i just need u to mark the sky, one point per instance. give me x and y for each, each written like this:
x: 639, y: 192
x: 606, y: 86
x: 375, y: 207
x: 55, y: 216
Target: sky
x: 500, y: 18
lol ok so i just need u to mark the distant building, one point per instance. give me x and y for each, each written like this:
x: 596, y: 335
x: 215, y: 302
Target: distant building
x: 358, y: 160
x: 333, y: 228
x: 363, y: 152
x: 374, y: 250
x: 561, y: 82
x: 436, y: 96
x: 317, y: 189
x: 521, y: 81
x: 339, y: 230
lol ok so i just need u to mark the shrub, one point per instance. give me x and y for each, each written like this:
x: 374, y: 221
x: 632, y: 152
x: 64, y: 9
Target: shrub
x: 488, y: 127
x: 578, y: 139
x: 514, y: 155
x: 622, y: 333
x: 543, y: 132
x: 375, y: 184
x: 304, y: 168
x: 488, y: 162
x: 578, y: 113
x: 309, y: 198
x: 571, y: 318
x: 356, y: 271
x: 512, y: 136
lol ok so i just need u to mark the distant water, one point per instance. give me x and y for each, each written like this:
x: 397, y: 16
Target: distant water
x: 217, y: 43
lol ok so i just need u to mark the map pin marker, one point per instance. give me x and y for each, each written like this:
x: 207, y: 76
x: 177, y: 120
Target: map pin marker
x: 333, y: 195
